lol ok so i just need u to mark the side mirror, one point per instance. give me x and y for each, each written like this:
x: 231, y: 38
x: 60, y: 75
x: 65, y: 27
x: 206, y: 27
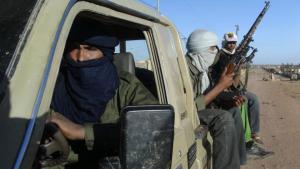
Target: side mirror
x: 147, y: 134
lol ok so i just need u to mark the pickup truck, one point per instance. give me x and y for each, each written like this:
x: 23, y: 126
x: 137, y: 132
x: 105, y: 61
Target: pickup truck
x: 33, y: 37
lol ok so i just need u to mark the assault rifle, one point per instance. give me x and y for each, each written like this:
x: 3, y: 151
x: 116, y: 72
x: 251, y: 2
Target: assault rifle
x: 240, y: 57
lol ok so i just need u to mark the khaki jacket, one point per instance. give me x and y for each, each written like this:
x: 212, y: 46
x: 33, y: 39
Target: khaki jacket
x: 196, y: 77
x: 130, y: 92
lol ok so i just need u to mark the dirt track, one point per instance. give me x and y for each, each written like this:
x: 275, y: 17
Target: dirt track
x: 280, y: 120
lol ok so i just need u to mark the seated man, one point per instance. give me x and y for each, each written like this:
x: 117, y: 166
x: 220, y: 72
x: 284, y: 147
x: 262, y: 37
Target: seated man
x: 89, y: 95
x: 225, y: 127
x: 225, y: 55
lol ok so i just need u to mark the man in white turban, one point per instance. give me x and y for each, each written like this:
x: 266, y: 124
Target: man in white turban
x: 225, y: 127
x: 230, y: 98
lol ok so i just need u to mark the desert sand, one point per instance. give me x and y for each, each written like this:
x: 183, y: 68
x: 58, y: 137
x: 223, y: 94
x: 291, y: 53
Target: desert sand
x: 280, y: 120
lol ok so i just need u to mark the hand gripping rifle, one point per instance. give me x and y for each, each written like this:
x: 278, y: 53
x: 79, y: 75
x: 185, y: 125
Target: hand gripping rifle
x: 240, y: 56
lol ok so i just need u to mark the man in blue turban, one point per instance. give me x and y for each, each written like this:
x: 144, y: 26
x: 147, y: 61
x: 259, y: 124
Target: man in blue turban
x: 89, y: 94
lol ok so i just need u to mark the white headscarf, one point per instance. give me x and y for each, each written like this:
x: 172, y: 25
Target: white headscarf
x: 229, y: 37
x: 227, y: 51
x: 198, y: 45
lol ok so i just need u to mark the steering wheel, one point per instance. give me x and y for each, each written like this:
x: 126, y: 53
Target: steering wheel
x: 54, y: 148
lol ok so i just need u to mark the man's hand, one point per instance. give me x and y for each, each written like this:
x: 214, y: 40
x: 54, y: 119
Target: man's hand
x: 69, y: 129
x: 226, y: 80
x: 238, y: 100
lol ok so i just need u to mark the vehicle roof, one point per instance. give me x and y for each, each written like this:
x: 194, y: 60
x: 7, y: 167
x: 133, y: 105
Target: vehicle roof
x: 10, y: 36
x: 133, y: 7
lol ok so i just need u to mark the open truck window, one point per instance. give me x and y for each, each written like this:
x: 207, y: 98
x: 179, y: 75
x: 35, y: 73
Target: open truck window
x: 132, y: 54
x: 132, y: 47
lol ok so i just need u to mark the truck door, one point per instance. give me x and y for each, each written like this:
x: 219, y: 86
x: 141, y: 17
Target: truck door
x: 179, y: 94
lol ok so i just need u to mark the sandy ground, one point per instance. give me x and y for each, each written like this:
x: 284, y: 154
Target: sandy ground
x: 280, y: 120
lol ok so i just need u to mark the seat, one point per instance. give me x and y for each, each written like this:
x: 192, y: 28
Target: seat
x: 124, y: 62
x: 147, y: 78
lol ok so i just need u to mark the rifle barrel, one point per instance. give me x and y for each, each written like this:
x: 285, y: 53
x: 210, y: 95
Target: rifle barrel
x: 248, y: 37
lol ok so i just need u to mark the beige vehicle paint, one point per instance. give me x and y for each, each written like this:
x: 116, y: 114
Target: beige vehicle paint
x: 32, y: 83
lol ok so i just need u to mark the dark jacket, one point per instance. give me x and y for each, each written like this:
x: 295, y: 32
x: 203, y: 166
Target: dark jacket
x: 224, y: 99
x: 218, y: 68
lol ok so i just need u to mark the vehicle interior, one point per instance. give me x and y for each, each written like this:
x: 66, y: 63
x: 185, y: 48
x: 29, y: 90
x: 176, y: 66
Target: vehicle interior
x: 132, y: 55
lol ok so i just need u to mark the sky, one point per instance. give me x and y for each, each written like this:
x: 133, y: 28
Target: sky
x: 277, y: 37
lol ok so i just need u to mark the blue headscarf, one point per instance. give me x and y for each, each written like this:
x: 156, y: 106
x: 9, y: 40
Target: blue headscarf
x: 84, y: 88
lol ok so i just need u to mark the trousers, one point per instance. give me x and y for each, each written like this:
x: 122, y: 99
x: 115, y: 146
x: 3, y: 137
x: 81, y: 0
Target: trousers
x: 253, y: 112
x: 226, y: 129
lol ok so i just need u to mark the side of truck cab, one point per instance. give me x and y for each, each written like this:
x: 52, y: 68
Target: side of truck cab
x: 34, y: 34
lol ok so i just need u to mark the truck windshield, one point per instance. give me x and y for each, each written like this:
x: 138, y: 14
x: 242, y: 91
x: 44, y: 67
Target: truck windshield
x: 14, y: 16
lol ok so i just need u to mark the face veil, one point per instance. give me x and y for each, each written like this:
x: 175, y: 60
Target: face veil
x: 84, y: 88
x: 199, y: 46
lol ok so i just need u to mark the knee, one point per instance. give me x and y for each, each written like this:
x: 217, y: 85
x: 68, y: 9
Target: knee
x: 224, y: 123
x: 226, y: 118
x: 236, y: 112
x: 236, y: 115
x: 252, y: 98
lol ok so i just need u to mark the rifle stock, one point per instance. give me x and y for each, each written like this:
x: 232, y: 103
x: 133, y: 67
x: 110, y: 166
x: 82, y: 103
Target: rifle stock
x: 230, y: 68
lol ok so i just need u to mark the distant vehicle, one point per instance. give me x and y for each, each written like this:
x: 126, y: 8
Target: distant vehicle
x: 294, y: 76
x: 33, y: 36
x: 278, y: 71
